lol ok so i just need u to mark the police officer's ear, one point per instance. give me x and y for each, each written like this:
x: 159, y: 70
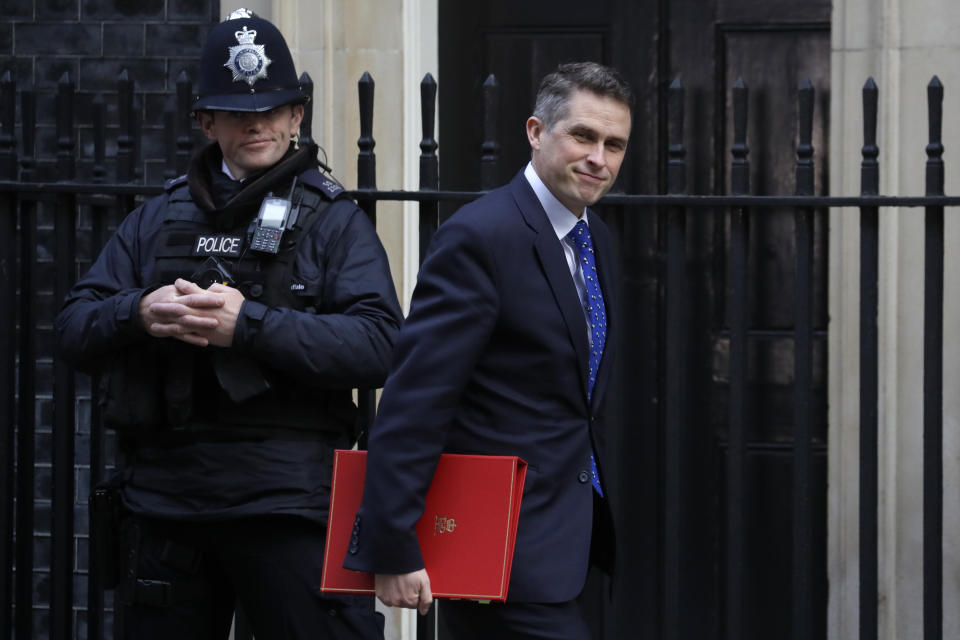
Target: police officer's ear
x: 296, y: 118
x: 205, y: 120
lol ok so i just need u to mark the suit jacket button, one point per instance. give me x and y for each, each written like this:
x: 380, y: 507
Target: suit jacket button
x: 583, y: 477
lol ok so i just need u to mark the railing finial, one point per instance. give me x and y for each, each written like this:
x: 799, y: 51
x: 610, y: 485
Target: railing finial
x: 183, y: 118
x: 869, y: 167
x: 125, y: 113
x: 740, y: 166
x: 429, y: 165
x: 804, y: 172
x: 490, y: 149
x: 676, y: 153
x: 366, y: 159
x: 8, y: 118
x: 306, y: 127
x: 66, y: 162
x: 99, y: 139
x: 935, y: 168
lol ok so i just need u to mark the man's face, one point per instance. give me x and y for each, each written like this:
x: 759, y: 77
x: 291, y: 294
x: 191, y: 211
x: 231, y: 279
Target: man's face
x: 579, y: 158
x: 252, y: 142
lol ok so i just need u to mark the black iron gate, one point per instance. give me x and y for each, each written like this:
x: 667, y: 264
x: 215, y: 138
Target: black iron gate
x: 53, y: 449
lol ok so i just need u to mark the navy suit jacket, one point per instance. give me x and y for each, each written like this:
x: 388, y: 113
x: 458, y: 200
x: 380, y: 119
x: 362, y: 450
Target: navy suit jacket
x: 492, y: 360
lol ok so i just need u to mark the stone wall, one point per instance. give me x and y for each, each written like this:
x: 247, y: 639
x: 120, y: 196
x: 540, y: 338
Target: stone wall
x: 902, y: 44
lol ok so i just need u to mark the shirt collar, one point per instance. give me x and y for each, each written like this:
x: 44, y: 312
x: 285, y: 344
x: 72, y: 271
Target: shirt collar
x: 562, y: 220
x: 226, y: 170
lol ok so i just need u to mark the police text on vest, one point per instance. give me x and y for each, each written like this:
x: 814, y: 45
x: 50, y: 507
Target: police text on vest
x: 217, y: 246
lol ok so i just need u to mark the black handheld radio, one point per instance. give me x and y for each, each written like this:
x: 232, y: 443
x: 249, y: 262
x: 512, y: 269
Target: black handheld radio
x: 275, y: 216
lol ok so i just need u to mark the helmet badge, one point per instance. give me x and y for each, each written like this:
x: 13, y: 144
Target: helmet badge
x: 248, y: 61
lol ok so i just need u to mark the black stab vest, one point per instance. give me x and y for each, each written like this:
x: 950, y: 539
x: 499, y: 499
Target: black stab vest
x: 175, y: 390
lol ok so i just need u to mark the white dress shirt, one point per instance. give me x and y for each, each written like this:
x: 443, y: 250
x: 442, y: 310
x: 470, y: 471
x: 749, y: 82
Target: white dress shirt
x: 563, y: 222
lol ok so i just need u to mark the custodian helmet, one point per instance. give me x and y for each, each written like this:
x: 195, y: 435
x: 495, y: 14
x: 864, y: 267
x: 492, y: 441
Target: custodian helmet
x: 246, y: 66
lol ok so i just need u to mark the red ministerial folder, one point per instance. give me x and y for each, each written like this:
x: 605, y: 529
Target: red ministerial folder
x: 466, y: 533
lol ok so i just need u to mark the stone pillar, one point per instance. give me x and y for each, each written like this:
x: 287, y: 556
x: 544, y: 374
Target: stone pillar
x: 336, y: 41
x: 902, y: 44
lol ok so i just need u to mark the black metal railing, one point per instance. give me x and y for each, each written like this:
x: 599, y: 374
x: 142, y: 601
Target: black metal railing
x: 51, y: 228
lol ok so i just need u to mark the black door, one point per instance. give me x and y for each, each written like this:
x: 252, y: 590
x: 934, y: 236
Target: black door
x: 708, y: 44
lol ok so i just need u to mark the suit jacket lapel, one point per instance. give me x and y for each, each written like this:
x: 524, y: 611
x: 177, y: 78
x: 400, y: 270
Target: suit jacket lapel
x: 554, y: 264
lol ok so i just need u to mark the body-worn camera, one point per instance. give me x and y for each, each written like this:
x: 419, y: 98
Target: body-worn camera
x: 212, y: 270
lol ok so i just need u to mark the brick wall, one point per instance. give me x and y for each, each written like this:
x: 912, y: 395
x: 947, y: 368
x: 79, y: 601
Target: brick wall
x: 91, y: 41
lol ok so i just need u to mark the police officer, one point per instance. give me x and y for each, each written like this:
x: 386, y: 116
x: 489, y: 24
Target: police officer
x: 229, y: 320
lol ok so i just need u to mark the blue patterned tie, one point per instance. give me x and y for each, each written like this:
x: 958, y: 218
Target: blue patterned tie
x: 597, y: 314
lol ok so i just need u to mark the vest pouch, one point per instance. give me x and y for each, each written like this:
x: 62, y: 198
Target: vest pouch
x: 179, y: 369
x: 130, y: 391
x: 239, y: 376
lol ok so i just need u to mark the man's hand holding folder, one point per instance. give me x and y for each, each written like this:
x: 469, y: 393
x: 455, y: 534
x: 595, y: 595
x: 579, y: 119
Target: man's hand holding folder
x: 408, y: 590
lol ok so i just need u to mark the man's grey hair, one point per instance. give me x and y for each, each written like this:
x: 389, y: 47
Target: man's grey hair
x: 553, y: 96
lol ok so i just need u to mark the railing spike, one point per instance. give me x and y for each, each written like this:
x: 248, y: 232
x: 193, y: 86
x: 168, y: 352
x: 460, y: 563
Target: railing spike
x: 28, y: 127
x: 8, y: 119
x: 935, y: 167
x: 933, y: 334
x: 676, y: 153
x: 740, y: 166
x: 99, y: 139
x: 66, y: 97
x: 490, y: 149
x: 429, y: 212
x: 869, y: 168
x: 169, y: 123
x: 125, y: 119
x: 366, y: 160
x: 306, y: 127
x: 182, y: 116
x: 804, y: 171
x: 429, y: 168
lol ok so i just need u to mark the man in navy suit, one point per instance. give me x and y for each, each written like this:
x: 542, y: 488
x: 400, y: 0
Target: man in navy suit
x: 507, y: 351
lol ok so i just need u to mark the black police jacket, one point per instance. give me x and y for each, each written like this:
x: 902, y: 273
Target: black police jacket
x: 319, y: 319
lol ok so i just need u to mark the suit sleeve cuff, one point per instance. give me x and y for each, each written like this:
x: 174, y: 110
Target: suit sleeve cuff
x: 375, y: 550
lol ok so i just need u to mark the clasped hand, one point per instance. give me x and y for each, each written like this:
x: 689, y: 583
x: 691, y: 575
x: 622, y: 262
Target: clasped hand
x: 184, y: 311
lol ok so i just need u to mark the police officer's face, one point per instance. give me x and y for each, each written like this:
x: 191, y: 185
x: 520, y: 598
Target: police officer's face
x: 578, y: 158
x: 251, y: 142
